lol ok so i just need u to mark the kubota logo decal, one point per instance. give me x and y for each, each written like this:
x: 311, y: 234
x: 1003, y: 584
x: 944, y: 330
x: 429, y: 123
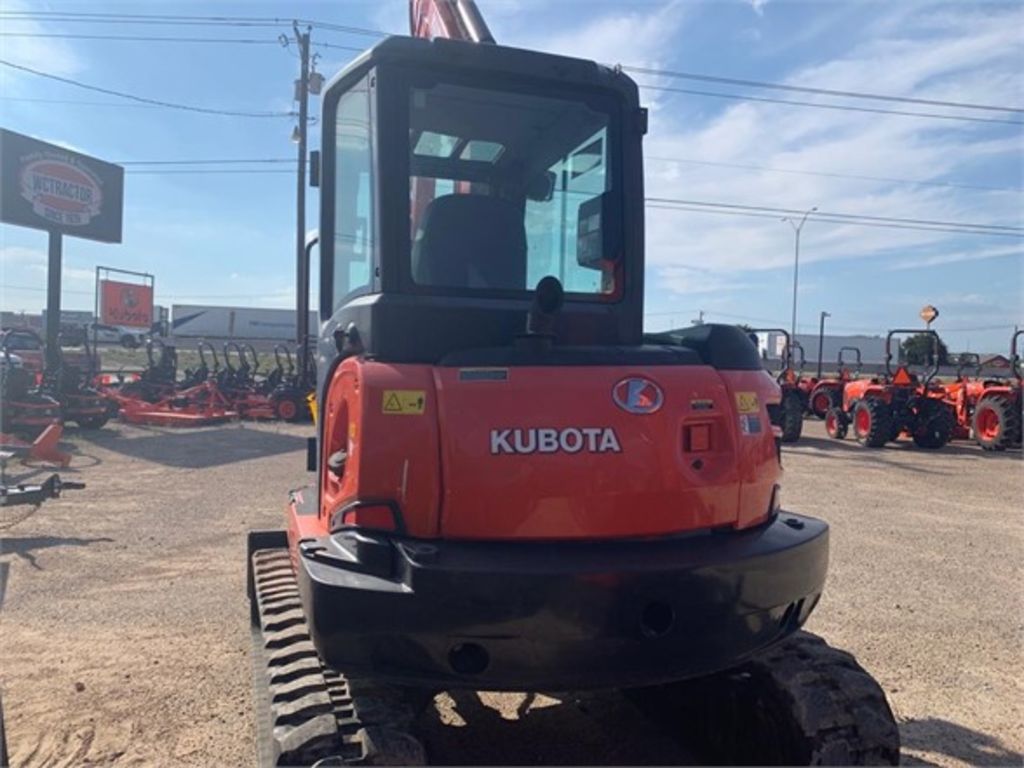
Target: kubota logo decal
x: 546, y: 440
x: 637, y: 395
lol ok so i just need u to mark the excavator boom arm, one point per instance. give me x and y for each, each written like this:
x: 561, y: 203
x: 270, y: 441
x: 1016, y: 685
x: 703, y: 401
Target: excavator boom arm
x: 452, y: 19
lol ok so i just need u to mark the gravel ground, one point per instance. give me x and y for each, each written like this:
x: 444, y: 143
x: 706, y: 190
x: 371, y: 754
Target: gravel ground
x: 124, y: 627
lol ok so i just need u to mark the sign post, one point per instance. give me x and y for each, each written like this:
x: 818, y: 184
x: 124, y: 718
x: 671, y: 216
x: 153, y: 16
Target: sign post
x: 47, y: 187
x: 928, y: 314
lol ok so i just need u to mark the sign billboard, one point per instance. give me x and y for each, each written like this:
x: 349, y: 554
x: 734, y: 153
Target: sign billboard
x: 45, y: 186
x: 129, y: 304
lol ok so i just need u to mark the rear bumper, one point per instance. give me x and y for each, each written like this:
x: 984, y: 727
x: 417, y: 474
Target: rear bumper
x: 542, y: 616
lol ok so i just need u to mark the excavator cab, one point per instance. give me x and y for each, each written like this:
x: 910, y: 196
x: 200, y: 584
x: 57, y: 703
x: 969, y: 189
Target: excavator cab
x: 456, y: 176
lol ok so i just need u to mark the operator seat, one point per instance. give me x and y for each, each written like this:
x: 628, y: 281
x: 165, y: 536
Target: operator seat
x: 471, y: 241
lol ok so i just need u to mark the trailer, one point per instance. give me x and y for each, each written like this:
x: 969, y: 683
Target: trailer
x: 249, y: 323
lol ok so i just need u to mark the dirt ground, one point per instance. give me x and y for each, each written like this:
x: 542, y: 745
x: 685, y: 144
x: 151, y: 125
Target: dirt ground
x: 124, y: 627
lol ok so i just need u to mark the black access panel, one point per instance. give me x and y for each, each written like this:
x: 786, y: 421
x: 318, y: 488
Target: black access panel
x: 44, y: 186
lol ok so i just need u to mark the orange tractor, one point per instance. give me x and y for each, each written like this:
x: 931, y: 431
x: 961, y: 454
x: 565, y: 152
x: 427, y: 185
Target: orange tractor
x: 880, y: 409
x: 997, y: 415
x: 827, y: 393
x: 514, y: 488
x: 963, y: 392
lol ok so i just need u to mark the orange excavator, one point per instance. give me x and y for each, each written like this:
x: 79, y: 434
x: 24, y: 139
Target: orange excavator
x: 516, y: 488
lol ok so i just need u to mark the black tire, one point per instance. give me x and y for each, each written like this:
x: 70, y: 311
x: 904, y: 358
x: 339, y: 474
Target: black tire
x: 836, y: 423
x: 933, y: 424
x: 792, y: 417
x: 93, y: 422
x: 872, y: 422
x: 288, y: 406
x: 996, y: 423
x: 129, y: 342
x: 822, y: 399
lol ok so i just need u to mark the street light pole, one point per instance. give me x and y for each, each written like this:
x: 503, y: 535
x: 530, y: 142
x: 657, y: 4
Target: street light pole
x: 796, y: 263
x: 821, y: 339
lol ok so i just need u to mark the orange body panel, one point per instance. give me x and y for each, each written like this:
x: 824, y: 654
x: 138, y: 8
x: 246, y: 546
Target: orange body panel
x: 391, y: 456
x: 481, y: 458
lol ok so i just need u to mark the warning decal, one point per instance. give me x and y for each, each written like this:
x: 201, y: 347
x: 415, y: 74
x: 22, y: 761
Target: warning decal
x: 746, y: 402
x: 404, y: 402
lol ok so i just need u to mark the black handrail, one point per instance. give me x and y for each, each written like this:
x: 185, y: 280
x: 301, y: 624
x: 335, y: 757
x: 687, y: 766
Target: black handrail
x: 916, y: 331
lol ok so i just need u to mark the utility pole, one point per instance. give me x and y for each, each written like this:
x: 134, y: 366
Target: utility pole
x: 821, y: 339
x: 301, y: 264
x: 796, y: 263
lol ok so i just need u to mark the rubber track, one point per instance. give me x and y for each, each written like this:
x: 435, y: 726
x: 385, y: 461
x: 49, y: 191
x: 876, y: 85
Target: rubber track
x: 841, y: 711
x: 315, y: 713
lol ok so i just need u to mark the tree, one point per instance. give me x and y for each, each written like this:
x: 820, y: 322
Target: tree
x: 918, y: 350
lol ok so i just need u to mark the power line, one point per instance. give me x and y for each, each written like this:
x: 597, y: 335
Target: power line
x: 826, y: 214
x: 912, y: 182
x: 226, y: 161
x: 821, y: 91
x: 840, y: 107
x: 823, y: 220
x: 142, y: 99
x: 142, y: 38
x: 171, y: 19
x: 201, y: 171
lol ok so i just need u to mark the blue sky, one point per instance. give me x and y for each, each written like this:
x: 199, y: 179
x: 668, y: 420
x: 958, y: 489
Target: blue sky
x: 229, y: 238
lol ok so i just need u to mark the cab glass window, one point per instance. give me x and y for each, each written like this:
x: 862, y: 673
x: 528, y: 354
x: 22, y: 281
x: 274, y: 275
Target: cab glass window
x: 353, y: 195
x: 505, y: 187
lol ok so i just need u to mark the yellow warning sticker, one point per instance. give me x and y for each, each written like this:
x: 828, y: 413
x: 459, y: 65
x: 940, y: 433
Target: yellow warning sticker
x: 746, y: 402
x: 404, y: 402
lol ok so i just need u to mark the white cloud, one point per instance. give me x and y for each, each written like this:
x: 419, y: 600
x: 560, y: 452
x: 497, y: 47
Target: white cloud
x: 758, y: 6
x: 20, y: 256
x: 972, y: 57
x: 641, y: 38
x: 936, y: 259
x: 51, y: 55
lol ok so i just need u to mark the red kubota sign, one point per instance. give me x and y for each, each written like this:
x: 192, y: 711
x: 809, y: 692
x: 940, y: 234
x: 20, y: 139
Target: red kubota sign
x: 126, y: 303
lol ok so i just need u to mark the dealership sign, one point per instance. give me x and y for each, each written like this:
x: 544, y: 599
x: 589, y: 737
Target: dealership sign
x: 48, y: 187
x: 126, y: 304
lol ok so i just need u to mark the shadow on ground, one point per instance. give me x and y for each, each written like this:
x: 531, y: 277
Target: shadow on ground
x: 196, y: 448
x: 937, y: 736
x: 25, y: 547
x: 595, y: 730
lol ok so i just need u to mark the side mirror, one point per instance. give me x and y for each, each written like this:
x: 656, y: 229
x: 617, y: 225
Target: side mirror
x: 599, y: 231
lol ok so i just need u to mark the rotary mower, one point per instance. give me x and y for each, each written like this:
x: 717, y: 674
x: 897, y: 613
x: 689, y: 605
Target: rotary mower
x: 997, y: 413
x: 289, y: 396
x: 239, y: 386
x: 882, y: 408
x: 788, y: 416
x: 515, y: 488
x: 24, y: 409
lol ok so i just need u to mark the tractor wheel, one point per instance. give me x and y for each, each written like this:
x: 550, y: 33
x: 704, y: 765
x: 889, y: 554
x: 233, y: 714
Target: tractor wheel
x: 933, y: 426
x: 836, y: 423
x: 288, y: 407
x: 872, y: 422
x: 822, y: 399
x: 792, y: 417
x: 996, y: 423
x: 93, y: 422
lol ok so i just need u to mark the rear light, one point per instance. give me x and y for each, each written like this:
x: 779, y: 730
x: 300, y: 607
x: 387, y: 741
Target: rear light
x: 378, y: 516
